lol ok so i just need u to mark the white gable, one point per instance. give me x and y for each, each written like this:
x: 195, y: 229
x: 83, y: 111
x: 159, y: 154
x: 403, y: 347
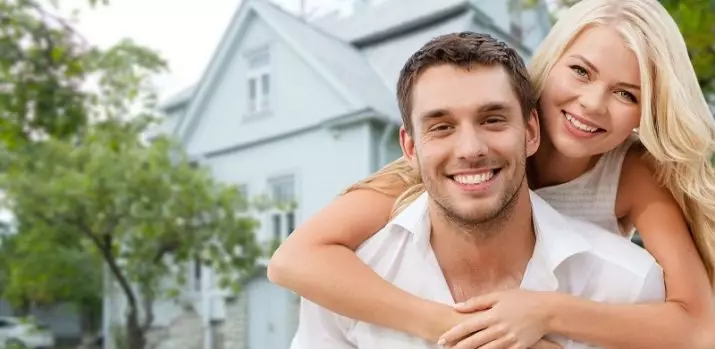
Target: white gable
x: 299, y: 97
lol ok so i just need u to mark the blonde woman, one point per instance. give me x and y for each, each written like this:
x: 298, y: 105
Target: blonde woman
x: 627, y: 139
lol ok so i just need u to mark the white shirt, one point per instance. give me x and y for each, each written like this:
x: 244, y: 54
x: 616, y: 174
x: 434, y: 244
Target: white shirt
x: 570, y: 256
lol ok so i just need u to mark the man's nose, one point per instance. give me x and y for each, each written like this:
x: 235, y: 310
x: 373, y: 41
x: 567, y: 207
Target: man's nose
x: 592, y: 99
x: 471, y: 145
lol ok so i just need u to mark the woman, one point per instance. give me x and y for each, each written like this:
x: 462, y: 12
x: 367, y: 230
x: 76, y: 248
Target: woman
x: 610, y: 71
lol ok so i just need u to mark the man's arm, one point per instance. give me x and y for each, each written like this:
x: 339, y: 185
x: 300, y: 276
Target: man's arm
x: 319, y: 328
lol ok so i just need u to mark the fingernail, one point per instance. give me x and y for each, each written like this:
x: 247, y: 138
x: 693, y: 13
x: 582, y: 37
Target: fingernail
x: 441, y: 342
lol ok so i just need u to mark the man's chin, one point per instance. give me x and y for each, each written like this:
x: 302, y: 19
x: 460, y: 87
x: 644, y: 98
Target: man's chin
x: 471, y: 210
x: 474, y: 214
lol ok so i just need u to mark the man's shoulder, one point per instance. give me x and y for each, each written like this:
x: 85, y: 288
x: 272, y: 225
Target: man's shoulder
x: 404, y: 228
x: 613, y: 248
x: 389, y: 234
x: 597, y: 242
x: 621, y: 270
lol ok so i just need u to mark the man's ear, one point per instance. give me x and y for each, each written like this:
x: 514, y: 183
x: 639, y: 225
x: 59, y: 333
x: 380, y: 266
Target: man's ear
x: 407, y: 143
x: 533, y: 133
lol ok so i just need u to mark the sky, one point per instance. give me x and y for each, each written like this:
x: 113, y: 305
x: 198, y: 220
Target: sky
x: 184, y: 32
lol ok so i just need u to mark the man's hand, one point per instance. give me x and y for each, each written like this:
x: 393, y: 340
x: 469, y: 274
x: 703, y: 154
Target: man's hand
x: 513, y: 319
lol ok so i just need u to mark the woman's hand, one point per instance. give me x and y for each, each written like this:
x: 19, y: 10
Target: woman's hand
x: 513, y: 319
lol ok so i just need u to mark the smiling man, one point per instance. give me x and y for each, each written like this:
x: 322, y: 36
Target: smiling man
x: 469, y: 125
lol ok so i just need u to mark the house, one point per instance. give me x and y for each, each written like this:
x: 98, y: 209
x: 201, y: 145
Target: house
x: 299, y: 110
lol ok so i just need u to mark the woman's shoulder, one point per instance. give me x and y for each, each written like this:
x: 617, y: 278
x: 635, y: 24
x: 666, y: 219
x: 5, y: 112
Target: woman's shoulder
x: 637, y: 174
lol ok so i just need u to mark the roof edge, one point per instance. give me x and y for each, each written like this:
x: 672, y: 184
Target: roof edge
x: 413, y: 25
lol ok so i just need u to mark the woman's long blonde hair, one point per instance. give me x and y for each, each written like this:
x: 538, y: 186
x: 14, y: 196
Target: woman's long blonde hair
x: 676, y: 127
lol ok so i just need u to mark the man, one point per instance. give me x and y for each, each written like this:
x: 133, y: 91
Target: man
x: 469, y: 125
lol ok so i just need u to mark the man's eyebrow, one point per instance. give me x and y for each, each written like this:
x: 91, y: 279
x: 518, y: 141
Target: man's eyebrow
x: 433, y: 114
x: 484, y: 108
x: 493, y: 106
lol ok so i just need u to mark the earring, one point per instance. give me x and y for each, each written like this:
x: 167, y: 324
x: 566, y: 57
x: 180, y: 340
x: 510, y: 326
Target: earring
x: 635, y: 130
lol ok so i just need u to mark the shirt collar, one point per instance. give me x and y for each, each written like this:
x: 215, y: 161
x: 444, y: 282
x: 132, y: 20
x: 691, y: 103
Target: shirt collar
x: 415, y: 219
x: 556, y: 241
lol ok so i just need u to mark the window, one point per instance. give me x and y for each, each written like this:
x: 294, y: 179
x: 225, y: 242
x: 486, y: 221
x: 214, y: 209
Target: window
x: 282, y: 189
x: 259, y: 82
x: 277, y: 224
x: 282, y: 217
x: 197, y: 274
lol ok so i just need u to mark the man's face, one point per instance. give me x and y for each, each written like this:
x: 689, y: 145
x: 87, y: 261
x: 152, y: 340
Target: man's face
x: 470, y: 140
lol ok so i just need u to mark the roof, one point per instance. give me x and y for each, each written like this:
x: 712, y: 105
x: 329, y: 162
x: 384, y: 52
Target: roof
x: 339, y: 63
x: 179, y: 98
x: 376, y: 20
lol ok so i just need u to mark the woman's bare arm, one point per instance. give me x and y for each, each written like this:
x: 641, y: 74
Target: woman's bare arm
x: 686, y: 316
x: 318, y: 262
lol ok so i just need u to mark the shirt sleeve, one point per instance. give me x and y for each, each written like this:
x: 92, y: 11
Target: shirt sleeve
x: 319, y: 328
x: 653, y: 289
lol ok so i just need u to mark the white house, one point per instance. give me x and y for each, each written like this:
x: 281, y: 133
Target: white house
x: 299, y: 110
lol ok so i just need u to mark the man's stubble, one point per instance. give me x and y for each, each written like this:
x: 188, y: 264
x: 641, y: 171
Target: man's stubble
x: 489, y: 223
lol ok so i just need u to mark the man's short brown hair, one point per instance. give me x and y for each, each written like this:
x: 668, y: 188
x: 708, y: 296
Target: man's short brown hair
x: 464, y: 50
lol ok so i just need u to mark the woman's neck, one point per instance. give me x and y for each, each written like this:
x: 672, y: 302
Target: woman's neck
x: 549, y: 167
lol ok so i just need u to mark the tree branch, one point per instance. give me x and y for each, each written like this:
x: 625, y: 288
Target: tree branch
x: 106, y: 251
x: 60, y: 21
x: 164, y: 248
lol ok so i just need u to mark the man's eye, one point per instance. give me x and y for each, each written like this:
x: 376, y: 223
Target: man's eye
x: 441, y: 127
x: 493, y: 120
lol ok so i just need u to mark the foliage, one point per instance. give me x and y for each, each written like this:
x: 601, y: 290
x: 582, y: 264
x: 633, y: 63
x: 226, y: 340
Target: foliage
x: 696, y: 20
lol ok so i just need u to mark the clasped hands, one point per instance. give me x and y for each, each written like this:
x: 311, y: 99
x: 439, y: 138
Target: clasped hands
x: 513, y: 319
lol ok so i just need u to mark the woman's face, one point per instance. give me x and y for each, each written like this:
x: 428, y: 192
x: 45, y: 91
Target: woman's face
x: 591, y: 99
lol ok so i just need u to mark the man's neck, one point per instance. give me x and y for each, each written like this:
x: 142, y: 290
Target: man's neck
x: 481, y: 258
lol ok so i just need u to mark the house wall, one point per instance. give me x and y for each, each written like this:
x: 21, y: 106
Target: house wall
x: 323, y: 162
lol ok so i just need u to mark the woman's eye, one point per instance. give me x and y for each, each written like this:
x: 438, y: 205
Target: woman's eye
x: 627, y: 95
x: 579, y: 70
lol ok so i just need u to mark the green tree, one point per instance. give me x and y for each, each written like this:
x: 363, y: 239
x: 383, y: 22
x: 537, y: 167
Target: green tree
x: 85, y: 186
x: 141, y: 207
x: 49, y: 90
x: 696, y: 20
